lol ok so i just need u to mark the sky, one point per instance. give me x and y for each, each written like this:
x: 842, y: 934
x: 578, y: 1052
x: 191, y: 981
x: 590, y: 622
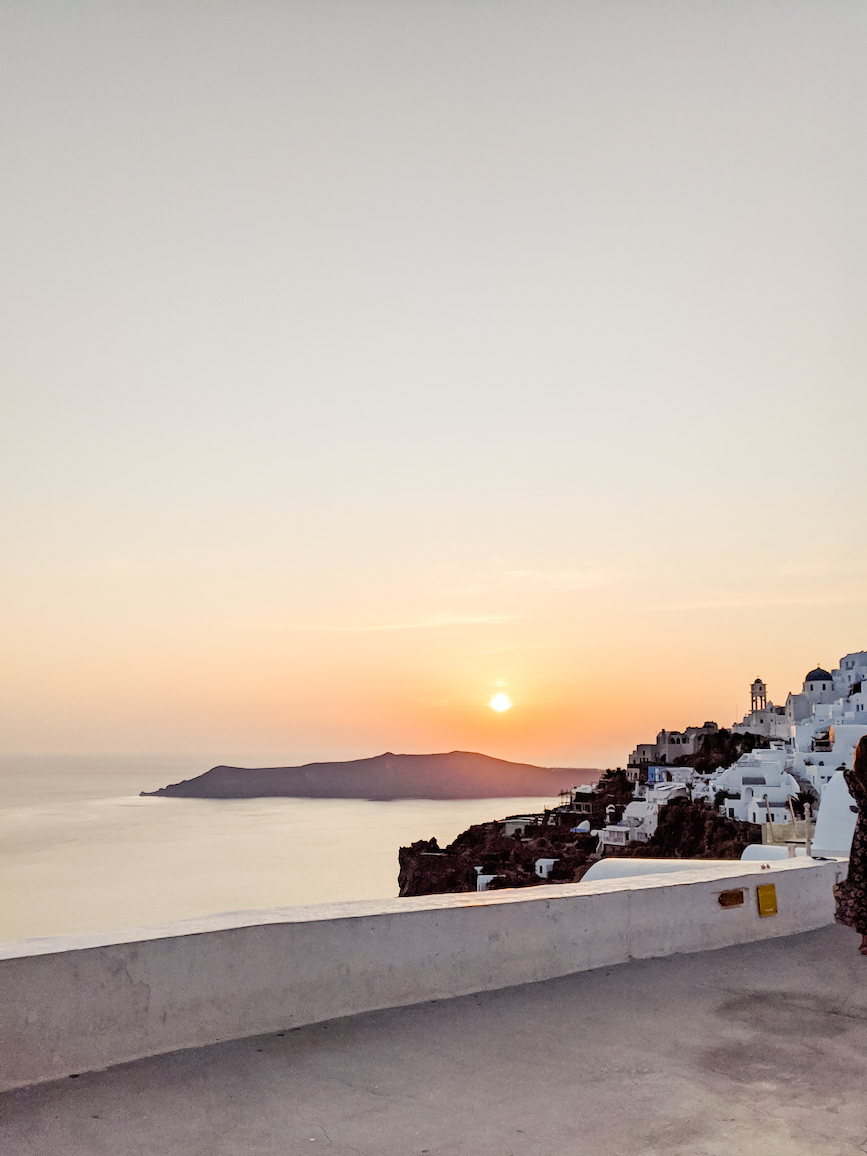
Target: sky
x: 362, y: 360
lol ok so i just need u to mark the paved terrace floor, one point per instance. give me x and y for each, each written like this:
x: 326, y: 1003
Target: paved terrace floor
x: 754, y: 1049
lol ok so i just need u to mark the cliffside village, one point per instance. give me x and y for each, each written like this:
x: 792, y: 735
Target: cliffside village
x: 730, y: 789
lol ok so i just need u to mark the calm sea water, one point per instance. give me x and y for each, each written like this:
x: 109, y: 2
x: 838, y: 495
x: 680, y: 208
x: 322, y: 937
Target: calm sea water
x: 82, y: 852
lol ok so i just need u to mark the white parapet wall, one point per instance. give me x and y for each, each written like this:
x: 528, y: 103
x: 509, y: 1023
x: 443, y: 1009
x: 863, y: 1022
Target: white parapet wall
x: 80, y: 1003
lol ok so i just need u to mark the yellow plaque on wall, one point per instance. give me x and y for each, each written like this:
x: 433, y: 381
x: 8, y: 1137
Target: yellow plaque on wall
x: 766, y: 895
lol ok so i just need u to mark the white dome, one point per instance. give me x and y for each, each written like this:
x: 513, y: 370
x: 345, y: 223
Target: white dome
x: 617, y: 868
x: 765, y: 852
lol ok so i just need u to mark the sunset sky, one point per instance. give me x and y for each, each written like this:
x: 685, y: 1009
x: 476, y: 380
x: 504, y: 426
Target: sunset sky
x: 361, y: 361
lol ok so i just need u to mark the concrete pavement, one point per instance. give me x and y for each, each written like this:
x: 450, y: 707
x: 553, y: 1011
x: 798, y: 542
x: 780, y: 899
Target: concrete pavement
x: 755, y: 1049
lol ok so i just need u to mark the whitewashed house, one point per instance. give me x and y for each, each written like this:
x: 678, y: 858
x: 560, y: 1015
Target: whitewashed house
x: 641, y: 816
x: 757, y: 787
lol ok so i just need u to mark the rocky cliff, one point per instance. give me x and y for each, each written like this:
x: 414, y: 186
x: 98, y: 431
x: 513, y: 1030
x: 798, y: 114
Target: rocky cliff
x: 687, y: 830
x: 428, y: 869
x: 721, y: 749
x: 695, y: 830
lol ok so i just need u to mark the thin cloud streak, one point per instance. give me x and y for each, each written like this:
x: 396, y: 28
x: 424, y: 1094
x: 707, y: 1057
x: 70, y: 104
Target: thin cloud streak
x: 748, y: 603
x: 435, y: 622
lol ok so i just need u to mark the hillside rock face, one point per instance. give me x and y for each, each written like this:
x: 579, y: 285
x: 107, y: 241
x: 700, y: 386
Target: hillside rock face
x: 687, y: 830
x: 695, y: 830
x: 425, y: 869
x: 721, y: 749
x: 456, y: 775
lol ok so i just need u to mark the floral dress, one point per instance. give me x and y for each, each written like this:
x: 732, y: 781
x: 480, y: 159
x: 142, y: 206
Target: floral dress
x: 852, y: 895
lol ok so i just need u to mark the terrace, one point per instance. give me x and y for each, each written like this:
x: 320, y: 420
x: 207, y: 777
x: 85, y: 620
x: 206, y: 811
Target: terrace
x: 757, y: 1047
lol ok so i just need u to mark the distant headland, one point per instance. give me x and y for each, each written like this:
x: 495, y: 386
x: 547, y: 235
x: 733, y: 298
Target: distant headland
x: 455, y: 775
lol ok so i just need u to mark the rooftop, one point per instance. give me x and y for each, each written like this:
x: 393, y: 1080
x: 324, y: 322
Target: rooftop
x: 759, y: 1048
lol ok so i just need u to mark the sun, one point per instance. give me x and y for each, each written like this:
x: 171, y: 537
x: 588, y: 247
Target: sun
x: 500, y: 702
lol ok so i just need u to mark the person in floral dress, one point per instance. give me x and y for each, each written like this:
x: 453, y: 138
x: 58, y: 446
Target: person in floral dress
x: 852, y: 895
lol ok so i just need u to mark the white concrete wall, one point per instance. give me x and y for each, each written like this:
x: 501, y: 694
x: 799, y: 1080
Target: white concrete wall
x: 74, y: 1004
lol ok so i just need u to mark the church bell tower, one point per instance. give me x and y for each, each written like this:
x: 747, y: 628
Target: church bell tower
x: 758, y: 695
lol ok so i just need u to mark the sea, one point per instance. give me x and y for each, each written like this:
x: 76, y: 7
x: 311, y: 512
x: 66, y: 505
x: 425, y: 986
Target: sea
x: 81, y: 851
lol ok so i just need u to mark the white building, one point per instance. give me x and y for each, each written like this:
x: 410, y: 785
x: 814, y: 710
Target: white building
x: 757, y: 787
x: 483, y: 881
x: 818, y: 688
x: 824, y: 724
x: 659, y: 776
x: 764, y: 718
x: 641, y: 816
x: 824, y: 745
x: 518, y: 824
x: 828, y: 718
x: 669, y: 745
x: 821, y: 725
x: 812, y: 738
x: 852, y: 669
